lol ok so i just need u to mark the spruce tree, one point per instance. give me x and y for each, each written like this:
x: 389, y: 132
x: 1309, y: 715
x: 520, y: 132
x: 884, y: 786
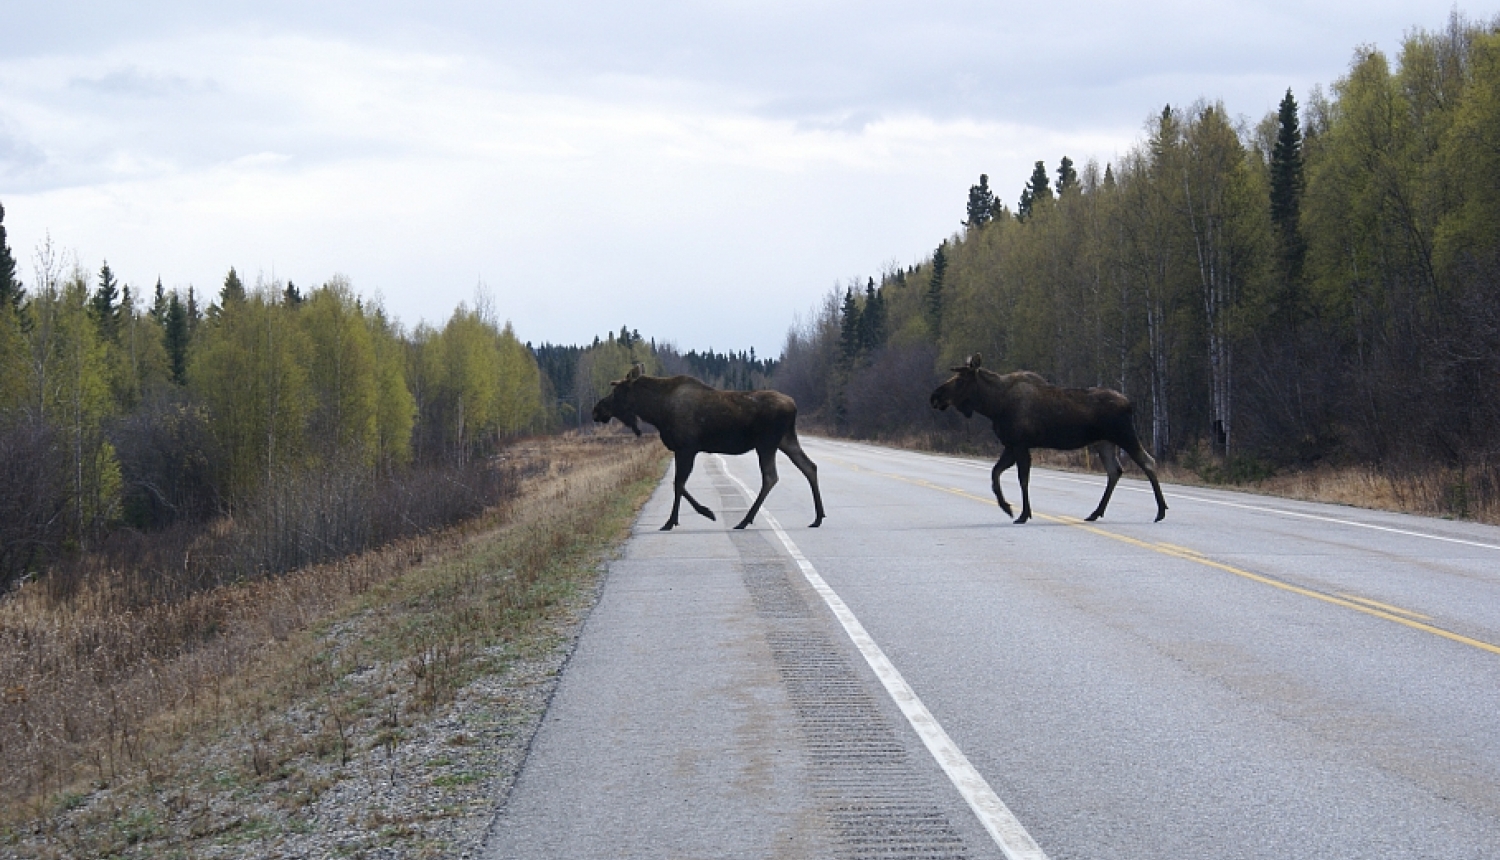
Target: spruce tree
x: 981, y: 203
x: 159, y: 304
x: 872, y: 319
x: 1040, y: 186
x: 194, y: 315
x: 1067, y: 177
x: 291, y: 296
x: 10, y: 286
x: 102, y: 306
x: 1286, y: 190
x: 233, y: 292
x: 849, y: 328
x: 177, y: 333
x: 935, y: 290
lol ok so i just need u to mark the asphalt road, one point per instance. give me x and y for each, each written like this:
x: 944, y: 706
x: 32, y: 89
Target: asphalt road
x: 1249, y: 678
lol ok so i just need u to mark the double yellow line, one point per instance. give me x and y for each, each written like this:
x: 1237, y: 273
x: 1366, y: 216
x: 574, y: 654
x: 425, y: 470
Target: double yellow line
x: 1414, y: 620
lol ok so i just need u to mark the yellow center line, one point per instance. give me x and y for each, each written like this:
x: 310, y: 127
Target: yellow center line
x: 1387, y: 607
x: 1348, y: 601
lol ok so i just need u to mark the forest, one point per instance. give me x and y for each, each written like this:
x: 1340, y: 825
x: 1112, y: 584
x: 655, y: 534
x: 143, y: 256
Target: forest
x: 1316, y: 288
x: 127, y: 413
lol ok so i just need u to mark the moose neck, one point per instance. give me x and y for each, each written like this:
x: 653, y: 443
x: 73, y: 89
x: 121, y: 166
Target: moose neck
x: 990, y: 392
x: 649, y: 398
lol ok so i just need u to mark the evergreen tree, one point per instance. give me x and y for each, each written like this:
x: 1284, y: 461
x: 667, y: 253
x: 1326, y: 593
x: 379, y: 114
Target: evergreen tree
x: 935, y: 289
x: 849, y: 328
x: 102, y: 306
x: 10, y: 286
x: 1040, y: 186
x: 1286, y: 190
x: 1067, y: 177
x: 872, y: 320
x: 177, y: 331
x: 159, y: 304
x: 233, y: 292
x: 291, y: 296
x: 981, y: 203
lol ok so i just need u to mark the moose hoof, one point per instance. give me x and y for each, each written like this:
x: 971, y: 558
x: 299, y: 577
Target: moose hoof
x: 742, y: 525
x: 817, y: 522
x: 1161, y: 516
x: 1094, y: 516
x: 1005, y: 506
x: 667, y: 527
x: 1022, y: 519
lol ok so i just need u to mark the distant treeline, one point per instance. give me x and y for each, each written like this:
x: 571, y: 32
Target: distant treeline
x: 1322, y: 285
x: 578, y: 376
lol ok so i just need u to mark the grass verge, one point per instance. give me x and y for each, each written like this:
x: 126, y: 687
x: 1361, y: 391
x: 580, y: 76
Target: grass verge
x: 387, y: 717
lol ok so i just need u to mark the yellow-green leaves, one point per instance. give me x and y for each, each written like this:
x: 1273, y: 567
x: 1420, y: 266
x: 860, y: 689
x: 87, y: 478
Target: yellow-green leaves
x: 251, y: 369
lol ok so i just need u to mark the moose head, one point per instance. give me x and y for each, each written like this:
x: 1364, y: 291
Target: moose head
x: 621, y: 401
x: 958, y: 391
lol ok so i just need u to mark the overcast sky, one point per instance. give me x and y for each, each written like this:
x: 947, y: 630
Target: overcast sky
x: 703, y: 172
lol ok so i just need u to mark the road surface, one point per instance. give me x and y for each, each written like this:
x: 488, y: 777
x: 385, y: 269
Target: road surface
x: 1250, y: 678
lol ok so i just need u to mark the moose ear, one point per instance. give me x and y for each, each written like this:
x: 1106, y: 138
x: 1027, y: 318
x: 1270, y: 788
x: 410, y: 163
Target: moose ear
x: 635, y: 371
x: 974, y: 361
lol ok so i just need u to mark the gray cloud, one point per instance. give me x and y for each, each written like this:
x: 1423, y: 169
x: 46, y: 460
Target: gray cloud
x: 132, y: 81
x: 20, y: 159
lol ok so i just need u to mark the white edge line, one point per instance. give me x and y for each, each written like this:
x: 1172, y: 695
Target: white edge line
x: 1259, y: 508
x: 996, y: 817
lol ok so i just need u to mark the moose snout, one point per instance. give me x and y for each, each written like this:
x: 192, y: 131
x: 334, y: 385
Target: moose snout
x: 938, y: 401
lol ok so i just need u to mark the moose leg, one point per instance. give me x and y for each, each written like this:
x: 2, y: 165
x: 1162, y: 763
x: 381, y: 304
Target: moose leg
x: 767, y: 481
x: 793, y: 449
x: 1148, y: 465
x: 1110, y: 454
x: 1023, y: 471
x: 679, y: 489
x: 1007, y: 459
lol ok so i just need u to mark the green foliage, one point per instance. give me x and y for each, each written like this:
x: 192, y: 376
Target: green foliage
x: 11, y: 292
x: 1038, y: 188
x: 935, y: 285
x: 251, y: 369
x: 113, y: 412
x: 102, y: 306
x: 1067, y: 176
x: 981, y: 206
x: 340, y: 372
x: 175, y: 333
x: 849, y: 327
x: 476, y: 384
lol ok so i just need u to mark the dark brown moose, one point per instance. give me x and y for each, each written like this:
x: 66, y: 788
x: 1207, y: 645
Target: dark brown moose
x: 1028, y: 412
x: 693, y: 417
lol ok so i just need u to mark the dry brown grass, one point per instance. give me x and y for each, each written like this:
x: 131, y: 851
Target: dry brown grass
x: 95, y: 699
